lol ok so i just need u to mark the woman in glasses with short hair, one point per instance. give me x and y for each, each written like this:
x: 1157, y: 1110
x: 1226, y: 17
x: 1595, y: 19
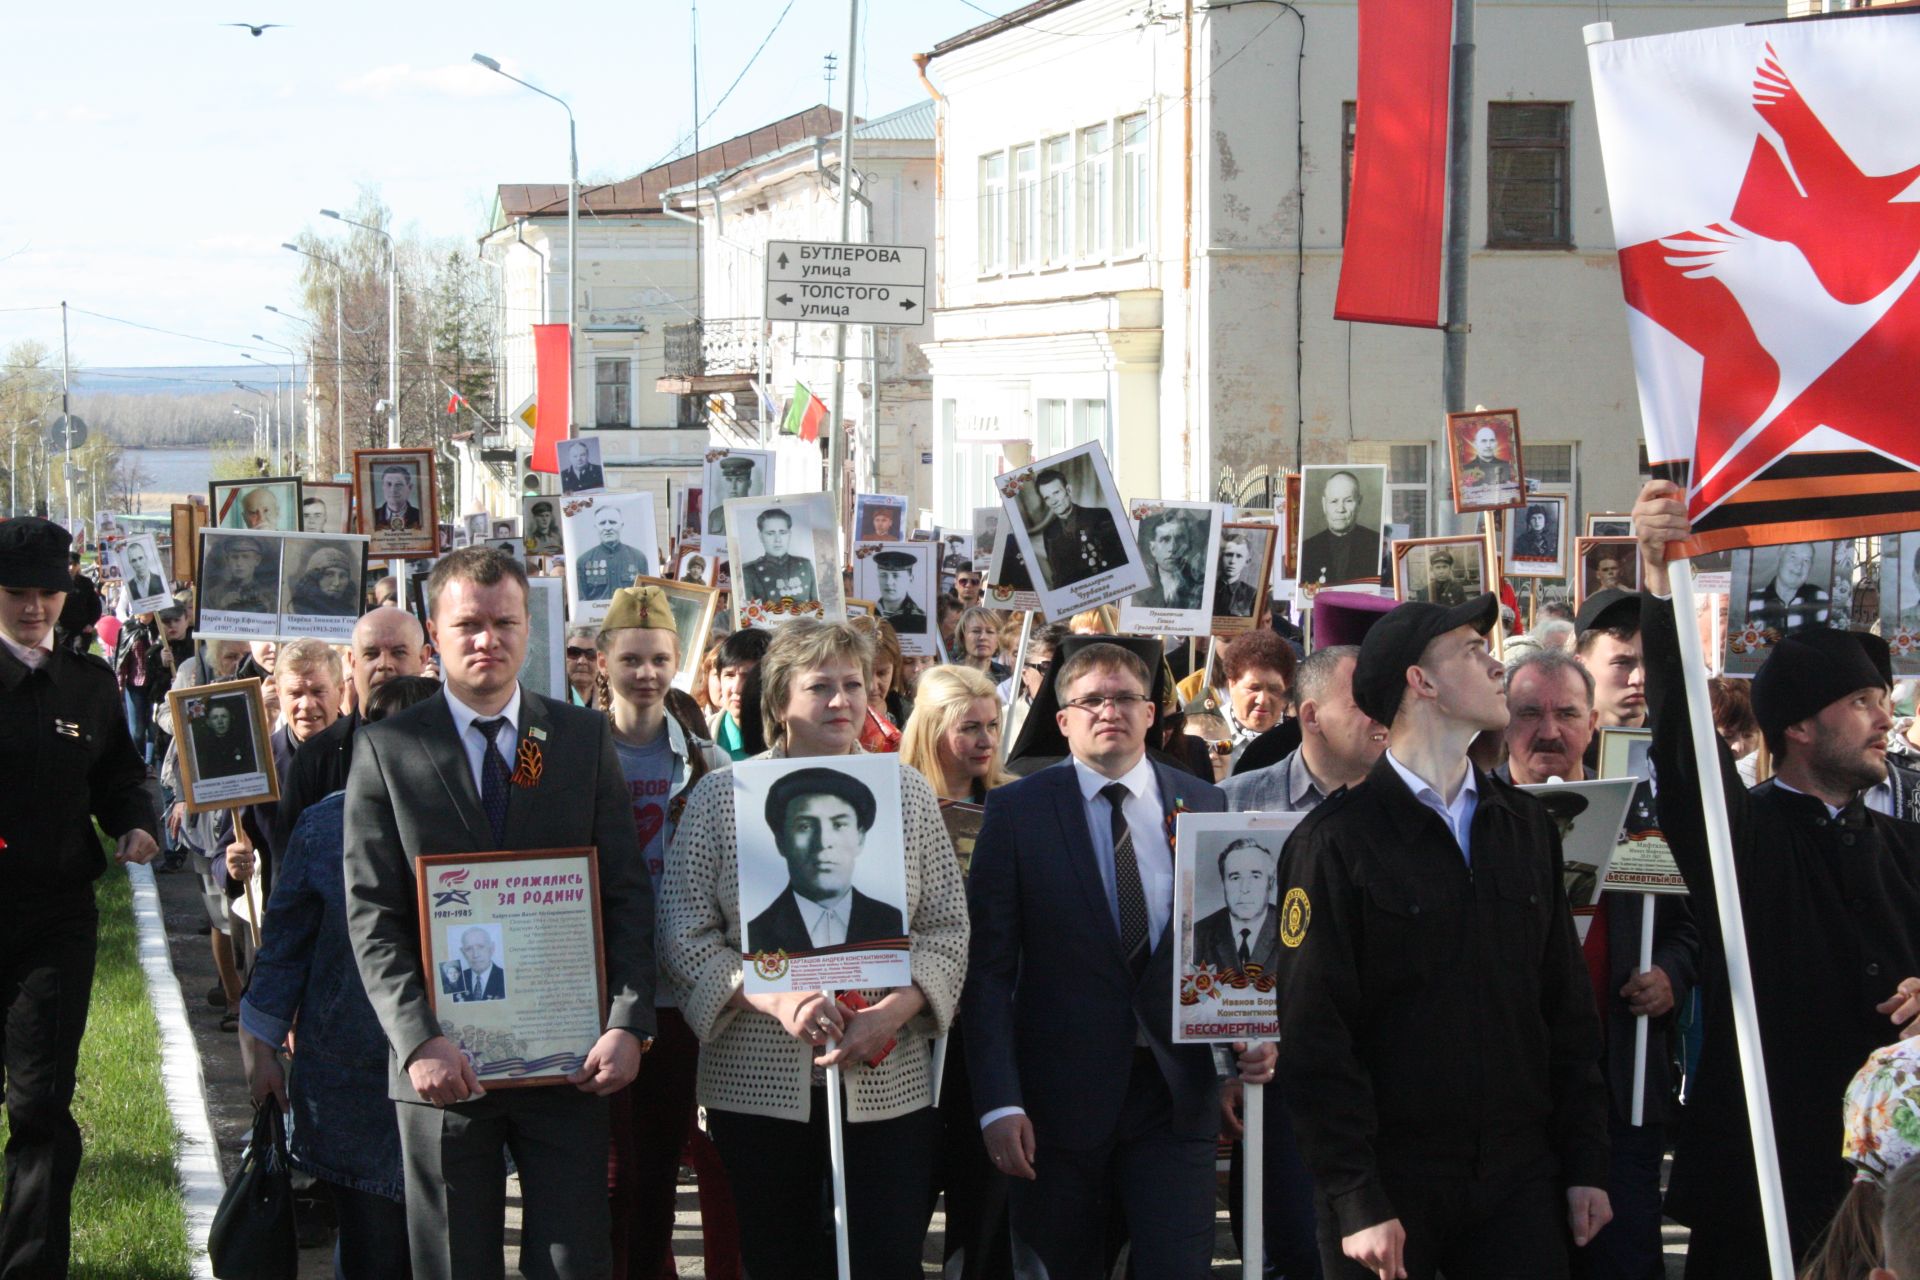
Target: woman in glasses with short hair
x: 583, y: 666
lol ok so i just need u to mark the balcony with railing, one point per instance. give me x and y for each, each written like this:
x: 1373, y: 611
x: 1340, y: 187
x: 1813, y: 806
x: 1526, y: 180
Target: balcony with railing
x: 704, y: 356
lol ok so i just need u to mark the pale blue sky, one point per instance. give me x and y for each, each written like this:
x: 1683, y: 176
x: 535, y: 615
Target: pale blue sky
x: 155, y: 160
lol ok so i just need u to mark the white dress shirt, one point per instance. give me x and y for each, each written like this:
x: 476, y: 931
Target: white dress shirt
x: 1148, y: 823
x: 474, y: 742
x: 30, y: 656
x: 826, y: 921
x: 1459, y: 815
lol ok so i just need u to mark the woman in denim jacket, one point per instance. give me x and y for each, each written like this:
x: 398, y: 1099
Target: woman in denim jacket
x: 343, y: 1129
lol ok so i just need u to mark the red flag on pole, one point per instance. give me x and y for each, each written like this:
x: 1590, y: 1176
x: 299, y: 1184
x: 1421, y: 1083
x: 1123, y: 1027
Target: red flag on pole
x: 454, y: 402
x: 1396, y: 213
x: 552, y: 348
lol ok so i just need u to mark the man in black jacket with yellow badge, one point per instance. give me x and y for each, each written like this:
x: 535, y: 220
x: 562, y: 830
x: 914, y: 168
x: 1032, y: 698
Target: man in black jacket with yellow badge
x: 67, y: 759
x: 1439, y: 1047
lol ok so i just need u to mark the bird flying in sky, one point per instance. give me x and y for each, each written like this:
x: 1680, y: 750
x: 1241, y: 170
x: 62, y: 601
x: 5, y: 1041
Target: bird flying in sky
x: 256, y: 30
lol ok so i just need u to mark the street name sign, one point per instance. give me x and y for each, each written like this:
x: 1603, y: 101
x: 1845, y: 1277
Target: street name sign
x: 832, y: 283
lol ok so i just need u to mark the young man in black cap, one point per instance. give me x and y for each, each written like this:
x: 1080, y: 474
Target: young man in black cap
x: 1439, y: 1048
x: 67, y: 759
x: 1607, y: 642
x: 1831, y: 895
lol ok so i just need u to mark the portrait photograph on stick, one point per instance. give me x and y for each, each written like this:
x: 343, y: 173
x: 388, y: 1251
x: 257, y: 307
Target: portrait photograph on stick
x: 326, y: 507
x: 610, y: 540
x: 1228, y: 925
x: 1537, y: 538
x: 266, y: 505
x: 1180, y: 544
x: 1605, y: 564
x: 693, y: 605
x: 1611, y: 524
x: 733, y: 473
x: 1590, y: 816
x: 321, y: 585
x: 396, y: 500
x: 513, y: 943
x: 1900, y: 600
x: 142, y: 574
x: 1484, y: 453
x: 986, y: 528
x: 1343, y: 512
x: 1777, y: 590
x: 823, y: 878
x: 540, y: 526
x: 900, y: 579
x: 1243, y: 575
x: 545, y: 668
x: 238, y: 594
x: 580, y: 469
x: 786, y: 557
x: 1009, y: 583
x: 226, y: 760
x: 1443, y: 571
x: 879, y: 517
x: 1073, y: 531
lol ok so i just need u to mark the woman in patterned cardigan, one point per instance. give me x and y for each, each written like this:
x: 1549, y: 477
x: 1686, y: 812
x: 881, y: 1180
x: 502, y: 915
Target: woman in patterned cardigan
x: 763, y: 1056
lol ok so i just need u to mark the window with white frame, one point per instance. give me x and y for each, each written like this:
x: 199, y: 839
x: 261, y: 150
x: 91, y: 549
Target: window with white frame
x: 1096, y: 191
x: 1050, y: 427
x: 612, y: 392
x: 1409, y: 482
x: 993, y: 212
x: 1090, y: 424
x: 1056, y: 200
x: 1026, y: 207
x: 1136, y: 186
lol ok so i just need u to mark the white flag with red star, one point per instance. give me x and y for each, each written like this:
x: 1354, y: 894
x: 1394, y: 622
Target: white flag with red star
x: 1765, y: 187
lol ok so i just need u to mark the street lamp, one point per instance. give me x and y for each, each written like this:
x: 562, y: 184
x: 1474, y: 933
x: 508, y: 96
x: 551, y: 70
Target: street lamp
x: 573, y: 225
x: 393, y: 324
x: 279, y: 424
x: 259, y: 427
x: 293, y: 415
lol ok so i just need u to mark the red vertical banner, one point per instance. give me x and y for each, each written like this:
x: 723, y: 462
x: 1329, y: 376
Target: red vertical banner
x: 552, y: 349
x: 1397, y: 207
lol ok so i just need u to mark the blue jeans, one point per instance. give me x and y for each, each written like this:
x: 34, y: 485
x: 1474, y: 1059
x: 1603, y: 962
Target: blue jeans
x: 373, y: 1236
x: 140, y: 720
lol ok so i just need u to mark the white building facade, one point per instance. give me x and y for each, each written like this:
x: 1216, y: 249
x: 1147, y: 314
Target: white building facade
x: 1140, y: 235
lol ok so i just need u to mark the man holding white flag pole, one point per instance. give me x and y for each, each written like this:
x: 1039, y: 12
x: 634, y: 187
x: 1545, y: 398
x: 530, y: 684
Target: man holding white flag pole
x: 1819, y: 977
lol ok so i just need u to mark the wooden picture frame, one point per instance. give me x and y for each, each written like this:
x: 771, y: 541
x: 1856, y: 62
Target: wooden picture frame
x: 1628, y: 550
x: 224, y: 496
x: 1519, y: 558
x: 188, y: 519
x: 192, y: 710
x: 1493, y: 483
x: 694, y: 608
x: 1290, y: 487
x: 466, y: 892
x: 413, y: 535
x: 1263, y: 533
x: 1608, y: 524
x: 1472, y: 546
x: 338, y: 496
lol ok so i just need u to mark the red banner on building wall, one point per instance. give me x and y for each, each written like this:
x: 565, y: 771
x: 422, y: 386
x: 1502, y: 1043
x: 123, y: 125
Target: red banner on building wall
x: 553, y: 415
x: 1397, y: 207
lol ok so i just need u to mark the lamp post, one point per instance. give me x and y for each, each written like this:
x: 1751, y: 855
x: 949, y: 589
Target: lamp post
x: 279, y: 425
x: 254, y: 420
x: 313, y: 334
x: 573, y: 228
x: 259, y: 426
x: 292, y: 438
x: 393, y: 324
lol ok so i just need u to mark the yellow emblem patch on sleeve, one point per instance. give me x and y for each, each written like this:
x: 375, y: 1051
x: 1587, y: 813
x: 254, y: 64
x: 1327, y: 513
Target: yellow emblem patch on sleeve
x: 1295, y: 914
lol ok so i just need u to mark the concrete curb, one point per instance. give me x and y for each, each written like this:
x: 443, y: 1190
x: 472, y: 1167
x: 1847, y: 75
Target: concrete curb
x: 198, y: 1158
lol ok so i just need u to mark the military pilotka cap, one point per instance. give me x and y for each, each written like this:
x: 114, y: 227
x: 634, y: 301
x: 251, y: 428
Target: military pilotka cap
x: 895, y: 560
x: 1809, y: 671
x: 1396, y: 642
x: 639, y: 607
x: 734, y: 466
x: 33, y: 554
x: 1604, y: 610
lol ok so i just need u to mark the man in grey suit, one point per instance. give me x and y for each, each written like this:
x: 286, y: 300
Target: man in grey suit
x: 435, y: 779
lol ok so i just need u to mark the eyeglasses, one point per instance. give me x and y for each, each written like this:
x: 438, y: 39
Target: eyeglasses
x: 1221, y: 748
x: 575, y: 654
x: 1094, y: 704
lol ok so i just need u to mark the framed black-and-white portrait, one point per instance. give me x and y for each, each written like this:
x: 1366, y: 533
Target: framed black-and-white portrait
x: 267, y: 505
x: 1180, y: 546
x: 1777, y: 590
x: 545, y: 667
x: 540, y: 526
x: 786, y: 557
x: 822, y: 873
x: 733, y: 473
x: 323, y: 577
x: 326, y: 507
x: 143, y: 574
x: 477, y: 525
x: 1536, y: 544
x: 879, y: 517
x: 1591, y: 816
x: 900, y: 579
x: 986, y: 528
x: 1484, y: 455
x: 1343, y: 515
x: 1609, y: 524
x: 239, y: 585
x: 1242, y: 576
x: 580, y: 469
x: 1230, y: 924
x: 396, y: 498
x: 225, y: 757
x: 1073, y: 531
x: 1443, y: 571
x: 610, y: 540
x: 1009, y: 582
x: 1605, y: 564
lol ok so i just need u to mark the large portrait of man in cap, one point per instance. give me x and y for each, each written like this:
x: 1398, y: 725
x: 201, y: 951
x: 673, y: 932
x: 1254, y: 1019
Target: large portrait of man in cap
x: 822, y: 859
x: 733, y: 473
x: 898, y: 577
x: 239, y: 574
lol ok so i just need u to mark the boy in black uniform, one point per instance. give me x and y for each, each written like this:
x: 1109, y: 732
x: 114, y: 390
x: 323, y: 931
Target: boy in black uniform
x: 66, y: 758
x: 1439, y: 1047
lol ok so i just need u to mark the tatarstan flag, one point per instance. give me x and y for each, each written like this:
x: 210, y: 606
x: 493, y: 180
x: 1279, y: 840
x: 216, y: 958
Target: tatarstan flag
x: 805, y: 412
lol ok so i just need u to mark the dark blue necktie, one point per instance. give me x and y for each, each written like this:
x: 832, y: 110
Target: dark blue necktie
x: 493, y: 777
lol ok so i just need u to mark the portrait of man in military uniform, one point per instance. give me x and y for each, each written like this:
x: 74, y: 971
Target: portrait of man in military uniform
x: 896, y: 582
x: 242, y: 574
x: 737, y: 475
x: 777, y: 573
x: 1236, y: 590
x: 1077, y: 541
x: 222, y: 742
x: 543, y: 529
x: 1486, y: 460
x: 612, y: 563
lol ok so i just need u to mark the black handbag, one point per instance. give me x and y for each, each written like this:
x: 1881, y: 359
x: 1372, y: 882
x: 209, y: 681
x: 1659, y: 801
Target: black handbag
x: 253, y: 1233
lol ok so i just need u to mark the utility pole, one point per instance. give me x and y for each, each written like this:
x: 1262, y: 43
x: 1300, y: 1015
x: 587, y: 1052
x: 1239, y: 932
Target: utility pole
x: 66, y: 409
x: 1453, y: 373
x: 836, y: 431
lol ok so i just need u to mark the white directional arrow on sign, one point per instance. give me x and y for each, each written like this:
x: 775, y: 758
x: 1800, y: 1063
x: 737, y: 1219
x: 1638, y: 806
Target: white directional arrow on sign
x: 833, y: 283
